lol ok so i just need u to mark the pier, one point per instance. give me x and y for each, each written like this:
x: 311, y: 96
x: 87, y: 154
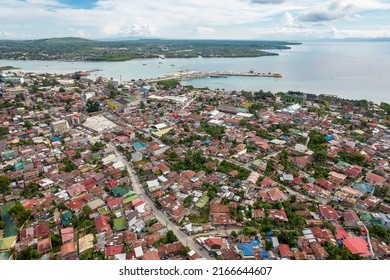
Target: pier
x: 192, y: 75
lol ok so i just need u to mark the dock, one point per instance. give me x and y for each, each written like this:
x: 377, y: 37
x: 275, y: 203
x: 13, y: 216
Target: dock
x: 192, y: 75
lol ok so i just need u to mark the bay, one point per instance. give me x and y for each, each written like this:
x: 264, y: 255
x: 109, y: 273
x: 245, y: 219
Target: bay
x: 353, y: 70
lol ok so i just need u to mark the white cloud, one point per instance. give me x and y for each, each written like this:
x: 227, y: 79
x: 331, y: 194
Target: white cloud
x: 185, y: 19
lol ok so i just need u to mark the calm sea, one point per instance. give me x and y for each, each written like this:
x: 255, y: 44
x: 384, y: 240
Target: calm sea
x: 354, y: 70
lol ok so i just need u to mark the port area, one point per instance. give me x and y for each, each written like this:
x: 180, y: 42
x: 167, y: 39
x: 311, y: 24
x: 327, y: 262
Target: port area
x: 192, y: 75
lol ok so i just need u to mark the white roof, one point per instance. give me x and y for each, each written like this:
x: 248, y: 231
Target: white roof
x: 138, y: 252
x: 99, y: 124
x: 160, y: 126
x: 152, y: 183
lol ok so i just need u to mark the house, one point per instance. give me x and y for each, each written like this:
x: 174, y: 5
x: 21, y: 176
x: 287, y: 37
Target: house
x: 111, y: 251
x: 272, y: 195
x: 337, y: 178
x: 67, y: 235
x: 384, y: 219
x: 245, y: 250
x: 44, y: 246
x: 102, y: 225
x: 151, y: 256
x: 267, y: 183
x: 220, y: 215
x: 213, y: 243
x: 285, y: 251
x: 357, y: 245
x: 328, y: 213
x: 319, y: 252
x: 170, y: 249
x: 351, y: 219
x: 69, y: 251
x: 278, y: 215
x: 375, y: 180
x: 258, y: 214
x: 42, y: 230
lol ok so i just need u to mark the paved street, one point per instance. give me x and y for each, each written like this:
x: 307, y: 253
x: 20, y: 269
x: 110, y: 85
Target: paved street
x: 161, y: 217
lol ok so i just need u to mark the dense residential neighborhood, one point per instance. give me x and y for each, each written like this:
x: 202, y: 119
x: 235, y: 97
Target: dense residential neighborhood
x: 150, y: 170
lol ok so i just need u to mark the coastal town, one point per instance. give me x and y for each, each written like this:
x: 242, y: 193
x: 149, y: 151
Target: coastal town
x: 153, y: 170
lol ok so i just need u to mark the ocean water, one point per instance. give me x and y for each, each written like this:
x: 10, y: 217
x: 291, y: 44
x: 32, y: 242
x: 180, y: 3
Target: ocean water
x: 353, y: 70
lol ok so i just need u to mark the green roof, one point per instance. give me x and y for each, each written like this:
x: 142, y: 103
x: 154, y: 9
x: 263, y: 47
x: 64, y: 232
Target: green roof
x: 120, y: 223
x: 202, y: 201
x: 4, y: 256
x: 66, y: 218
x: 19, y: 165
x: 257, y: 162
x: 96, y: 156
x: 7, y: 242
x: 103, y: 211
x: 119, y: 191
x: 9, y: 153
x: 130, y: 198
x: 343, y: 164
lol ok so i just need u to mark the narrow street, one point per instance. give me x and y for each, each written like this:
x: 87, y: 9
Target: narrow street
x: 161, y: 217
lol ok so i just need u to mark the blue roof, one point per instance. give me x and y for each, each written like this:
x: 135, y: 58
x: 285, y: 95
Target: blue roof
x: 363, y: 187
x: 56, y: 139
x: 139, y: 145
x: 328, y: 138
x: 247, y: 249
x: 206, y: 142
x: 264, y: 254
x: 255, y: 243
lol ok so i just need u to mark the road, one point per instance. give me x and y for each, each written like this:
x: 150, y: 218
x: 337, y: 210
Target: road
x: 160, y: 216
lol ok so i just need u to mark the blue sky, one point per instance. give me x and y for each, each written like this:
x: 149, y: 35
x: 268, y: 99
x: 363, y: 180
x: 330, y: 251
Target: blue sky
x: 80, y: 4
x: 198, y: 19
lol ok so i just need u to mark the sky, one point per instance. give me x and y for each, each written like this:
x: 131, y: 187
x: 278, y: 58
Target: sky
x: 195, y: 19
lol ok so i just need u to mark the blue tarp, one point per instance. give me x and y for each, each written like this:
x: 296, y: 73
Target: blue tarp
x: 247, y: 249
x: 56, y: 139
x: 264, y: 254
x: 329, y: 138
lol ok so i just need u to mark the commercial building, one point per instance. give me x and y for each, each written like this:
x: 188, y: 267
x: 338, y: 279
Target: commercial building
x: 60, y: 126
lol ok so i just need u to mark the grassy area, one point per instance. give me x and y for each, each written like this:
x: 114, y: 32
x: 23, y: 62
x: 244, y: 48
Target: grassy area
x: 203, y: 218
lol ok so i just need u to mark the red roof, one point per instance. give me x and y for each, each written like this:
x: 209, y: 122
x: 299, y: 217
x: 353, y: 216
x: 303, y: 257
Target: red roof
x: 115, y: 202
x: 213, y: 241
x: 375, y: 178
x: 102, y: 224
x: 328, y: 213
x: 285, y: 251
x: 267, y: 182
x: 341, y: 233
x: 114, y: 250
x: 358, y: 246
x: 152, y: 255
x: 113, y: 183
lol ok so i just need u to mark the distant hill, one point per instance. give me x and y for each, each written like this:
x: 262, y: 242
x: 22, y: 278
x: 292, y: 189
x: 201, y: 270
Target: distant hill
x: 120, y: 49
x: 64, y: 40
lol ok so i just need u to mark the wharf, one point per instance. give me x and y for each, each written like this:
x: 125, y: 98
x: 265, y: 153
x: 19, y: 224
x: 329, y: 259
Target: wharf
x: 192, y: 75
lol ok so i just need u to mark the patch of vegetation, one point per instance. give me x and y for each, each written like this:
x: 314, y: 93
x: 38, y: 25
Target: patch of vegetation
x: 226, y: 167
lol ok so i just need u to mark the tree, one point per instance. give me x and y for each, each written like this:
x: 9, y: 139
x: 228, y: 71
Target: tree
x: 28, y: 254
x: 28, y: 124
x: 188, y: 201
x: 19, y: 213
x: 171, y: 237
x: 61, y: 89
x: 268, y: 245
x: 3, y: 132
x: 4, y: 183
x: 93, y: 106
x: 184, y: 251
